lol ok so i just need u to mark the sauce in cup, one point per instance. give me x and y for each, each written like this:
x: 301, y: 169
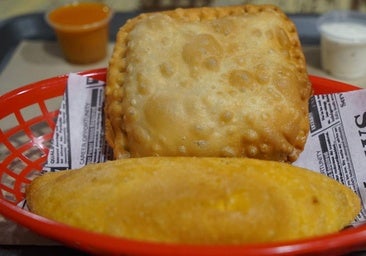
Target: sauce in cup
x: 343, y: 43
x: 81, y: 30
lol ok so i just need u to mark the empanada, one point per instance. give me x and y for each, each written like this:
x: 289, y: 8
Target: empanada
x: 219, y: 81
x: 195, y: 200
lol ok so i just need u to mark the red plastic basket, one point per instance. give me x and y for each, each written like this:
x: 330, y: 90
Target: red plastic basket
x: 23, y: 151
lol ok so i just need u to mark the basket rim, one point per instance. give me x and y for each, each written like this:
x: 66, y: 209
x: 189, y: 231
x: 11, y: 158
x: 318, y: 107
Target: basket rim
x: 341, y: 242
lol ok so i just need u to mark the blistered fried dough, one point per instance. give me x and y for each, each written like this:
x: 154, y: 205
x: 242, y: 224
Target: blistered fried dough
x: 195, y: 200
x: 225, y: 81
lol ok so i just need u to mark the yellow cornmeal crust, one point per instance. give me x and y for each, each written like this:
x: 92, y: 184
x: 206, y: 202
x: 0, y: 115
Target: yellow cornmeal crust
x: 195, y: 200
x: 281, y: 138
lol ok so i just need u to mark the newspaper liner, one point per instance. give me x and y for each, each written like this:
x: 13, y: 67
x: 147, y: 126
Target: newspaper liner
x: 336, y: 145
x: 79, y: 134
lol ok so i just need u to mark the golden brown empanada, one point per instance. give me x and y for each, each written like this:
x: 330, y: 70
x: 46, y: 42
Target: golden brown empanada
x: 220, y: 81
x: 195, y: 200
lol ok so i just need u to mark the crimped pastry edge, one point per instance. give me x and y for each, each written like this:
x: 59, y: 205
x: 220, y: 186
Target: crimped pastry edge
x: 115, y: 135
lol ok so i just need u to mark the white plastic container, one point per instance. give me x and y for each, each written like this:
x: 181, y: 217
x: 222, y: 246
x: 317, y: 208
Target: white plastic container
x: 343, y: 43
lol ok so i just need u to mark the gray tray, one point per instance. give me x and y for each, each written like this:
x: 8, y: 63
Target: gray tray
x: 33, y: 26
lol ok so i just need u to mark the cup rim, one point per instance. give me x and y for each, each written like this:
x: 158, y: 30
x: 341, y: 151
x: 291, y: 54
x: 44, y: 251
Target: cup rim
x: 84, y: 27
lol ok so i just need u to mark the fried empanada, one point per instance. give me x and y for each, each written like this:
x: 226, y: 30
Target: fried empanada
x: 195, y: 200
x: 220, y: 81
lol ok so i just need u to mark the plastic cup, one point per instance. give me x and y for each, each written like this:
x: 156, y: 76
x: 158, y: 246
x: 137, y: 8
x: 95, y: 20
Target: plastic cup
x: 343, y: 43
x: 82, y: 30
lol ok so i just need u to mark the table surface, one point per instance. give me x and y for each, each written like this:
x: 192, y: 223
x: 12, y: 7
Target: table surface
x: 34, y: 60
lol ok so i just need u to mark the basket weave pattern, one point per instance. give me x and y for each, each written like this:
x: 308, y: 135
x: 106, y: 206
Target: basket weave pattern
x: 24, y: 145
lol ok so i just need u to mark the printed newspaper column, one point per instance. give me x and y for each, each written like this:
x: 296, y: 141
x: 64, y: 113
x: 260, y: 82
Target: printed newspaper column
x: 58, y: 155
x: 336, y: 145
x: 79, y: 136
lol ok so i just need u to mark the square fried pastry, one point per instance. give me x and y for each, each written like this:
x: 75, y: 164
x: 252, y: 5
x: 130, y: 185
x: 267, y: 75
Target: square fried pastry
x: 219, y: 81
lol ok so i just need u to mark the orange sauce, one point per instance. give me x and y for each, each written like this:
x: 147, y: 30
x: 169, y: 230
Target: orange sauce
x: 82, y: 31
x: 79, y: 14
